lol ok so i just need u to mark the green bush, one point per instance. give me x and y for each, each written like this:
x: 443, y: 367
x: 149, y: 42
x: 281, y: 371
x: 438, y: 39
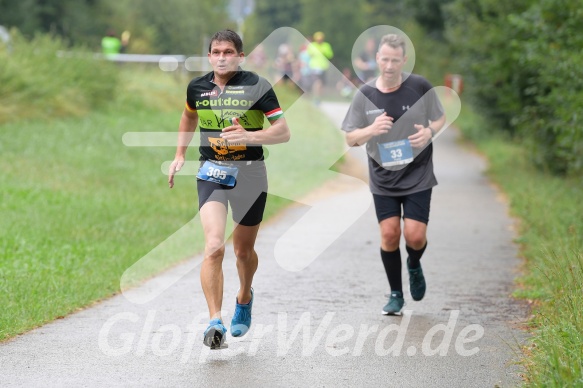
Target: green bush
x: 522, y: 61
x: 43, y: 77
x: 552, y: 48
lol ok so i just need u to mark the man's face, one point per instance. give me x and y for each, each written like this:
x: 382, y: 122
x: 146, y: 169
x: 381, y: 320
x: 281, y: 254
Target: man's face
x: 390, y: 61
x: 224, y: 58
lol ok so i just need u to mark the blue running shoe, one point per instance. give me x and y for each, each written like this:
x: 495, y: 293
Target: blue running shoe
x: 214, y: 335
x: 241, y: 318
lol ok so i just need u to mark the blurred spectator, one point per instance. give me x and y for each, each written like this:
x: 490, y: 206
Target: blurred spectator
x: 284, y: 63
x: 347, y: 84
x: 5, y: 36
x: 257, y: 59
x: 320, y: 54
x: 305, y: 74
x: 365, y: 64
x: 125, y: 41
x: 110, y: 44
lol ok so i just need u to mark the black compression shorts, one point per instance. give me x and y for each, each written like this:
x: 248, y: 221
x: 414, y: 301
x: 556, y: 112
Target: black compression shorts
x: 415, y: 206
x: 247, y: 198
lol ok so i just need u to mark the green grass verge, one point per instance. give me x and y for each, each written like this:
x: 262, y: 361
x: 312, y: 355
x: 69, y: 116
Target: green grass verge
x: 551, y: 239
x: 78, y: 207
x: 37, y: 83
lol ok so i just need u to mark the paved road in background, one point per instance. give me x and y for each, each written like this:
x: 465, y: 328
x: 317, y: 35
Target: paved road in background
x: 321, y: 326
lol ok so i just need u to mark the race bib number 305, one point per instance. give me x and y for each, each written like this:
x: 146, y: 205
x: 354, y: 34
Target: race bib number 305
x: 396, y: 153
x: 212, y: 172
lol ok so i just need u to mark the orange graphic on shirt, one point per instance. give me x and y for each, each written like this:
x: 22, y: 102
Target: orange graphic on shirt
x: 221, y: 147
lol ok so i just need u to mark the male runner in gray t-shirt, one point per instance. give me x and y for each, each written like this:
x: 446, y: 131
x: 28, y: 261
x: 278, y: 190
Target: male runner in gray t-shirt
x: 396, y: 116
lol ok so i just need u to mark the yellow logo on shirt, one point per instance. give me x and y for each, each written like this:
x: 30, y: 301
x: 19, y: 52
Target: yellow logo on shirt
x: 222, y: 147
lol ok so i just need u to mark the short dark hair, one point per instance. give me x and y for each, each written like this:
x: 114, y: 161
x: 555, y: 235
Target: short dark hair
x: 227, y: 36
x: 394, y: 41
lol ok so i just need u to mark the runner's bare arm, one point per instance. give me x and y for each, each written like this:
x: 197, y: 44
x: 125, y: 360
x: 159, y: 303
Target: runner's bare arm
x: 425, y: 134
x: 360, y: 136
x: 437, y: 124
x: 186, y: 128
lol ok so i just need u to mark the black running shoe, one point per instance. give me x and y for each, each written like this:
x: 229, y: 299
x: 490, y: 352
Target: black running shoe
x: 416, y: 282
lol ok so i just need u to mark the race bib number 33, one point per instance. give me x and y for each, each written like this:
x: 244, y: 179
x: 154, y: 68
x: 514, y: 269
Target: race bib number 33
x: 396, y: 153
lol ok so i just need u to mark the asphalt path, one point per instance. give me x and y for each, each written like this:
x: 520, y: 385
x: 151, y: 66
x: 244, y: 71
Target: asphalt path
x: 317, y: 324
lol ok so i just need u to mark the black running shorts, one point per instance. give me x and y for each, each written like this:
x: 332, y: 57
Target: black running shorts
x: 247, y: 197
x: 415, y: 206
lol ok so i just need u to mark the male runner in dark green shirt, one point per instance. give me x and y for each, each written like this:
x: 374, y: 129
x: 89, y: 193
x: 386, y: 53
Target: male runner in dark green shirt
x: 229, y: 106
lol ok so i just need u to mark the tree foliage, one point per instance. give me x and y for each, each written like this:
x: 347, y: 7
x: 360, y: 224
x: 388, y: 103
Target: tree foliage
x: 523, y: 61
x: 157, y: 26
x: 429, y: 15
x: 73, y: 20
x: 183, y: 27
x: 268, y: 16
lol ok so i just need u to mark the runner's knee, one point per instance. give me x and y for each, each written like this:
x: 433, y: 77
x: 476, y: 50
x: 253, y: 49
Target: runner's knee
x: 415, y: 238
x: 390, y: 235
x: 214, y: 249
x: 244, y: 253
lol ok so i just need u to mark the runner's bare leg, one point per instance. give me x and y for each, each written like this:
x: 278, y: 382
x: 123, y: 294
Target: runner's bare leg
x: 247, y: 261
x: 213, y: 216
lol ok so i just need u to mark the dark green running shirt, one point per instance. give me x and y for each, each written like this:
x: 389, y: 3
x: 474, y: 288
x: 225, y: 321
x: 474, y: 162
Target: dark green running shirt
x: 246, y: 96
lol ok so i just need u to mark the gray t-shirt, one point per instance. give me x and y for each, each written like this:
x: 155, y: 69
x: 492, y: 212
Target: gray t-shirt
x: 413, y: 103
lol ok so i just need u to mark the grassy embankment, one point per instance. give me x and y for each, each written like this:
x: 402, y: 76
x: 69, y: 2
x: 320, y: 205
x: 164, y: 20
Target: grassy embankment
x: 550, y: 211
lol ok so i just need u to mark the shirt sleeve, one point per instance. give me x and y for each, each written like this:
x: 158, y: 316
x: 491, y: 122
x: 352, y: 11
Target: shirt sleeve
x: 355, y: 117
x: 329, y: 53
x: 434, y: 108
x: 269, y: 103
x: 190, y: 98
